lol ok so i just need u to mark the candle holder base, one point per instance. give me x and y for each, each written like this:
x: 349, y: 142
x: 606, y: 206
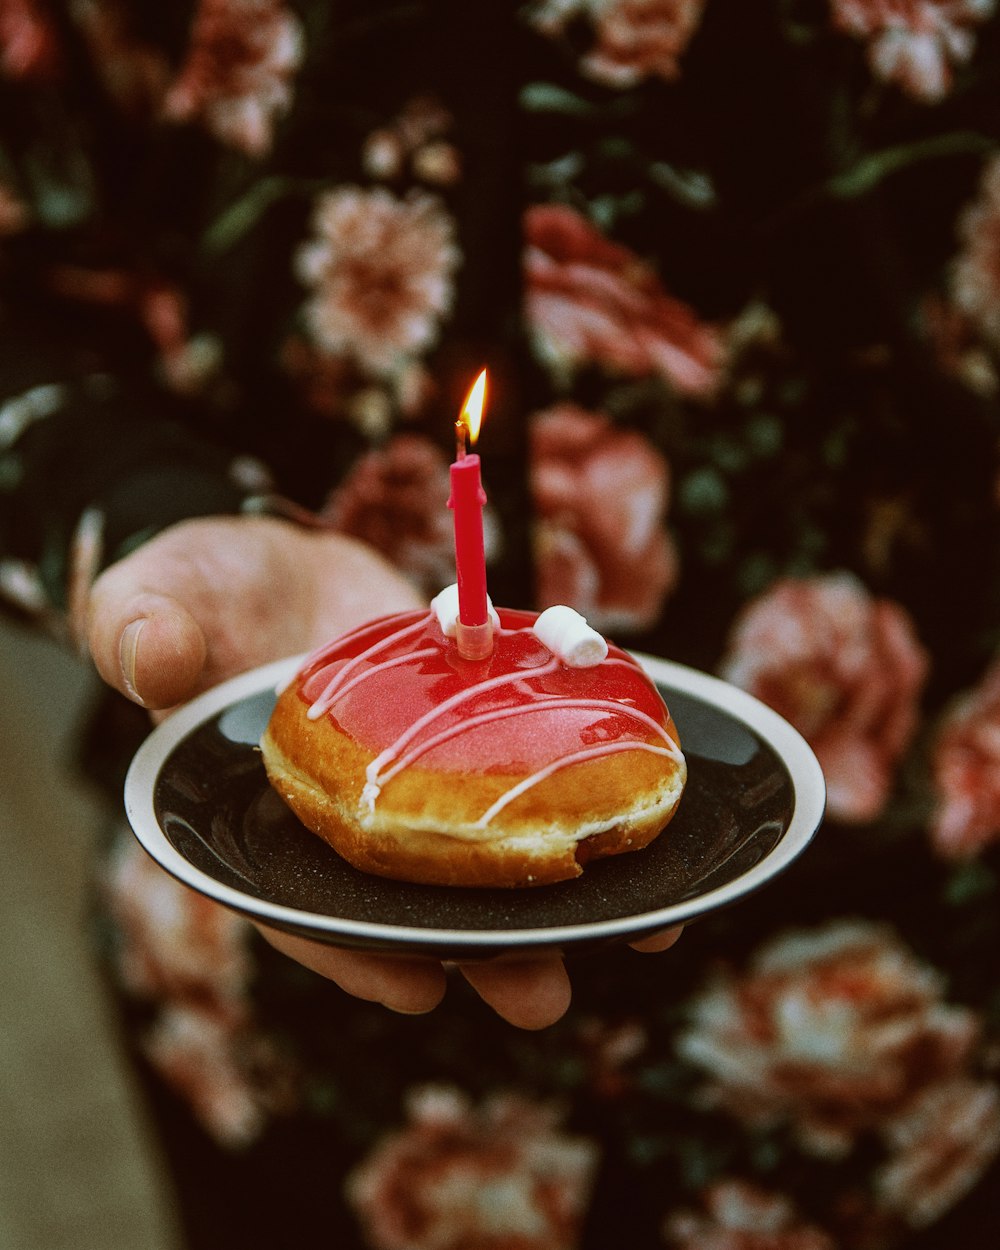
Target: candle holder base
x: 475, y: 642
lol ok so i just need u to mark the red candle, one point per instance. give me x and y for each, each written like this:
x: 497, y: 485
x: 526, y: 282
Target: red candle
x: 474, y: 632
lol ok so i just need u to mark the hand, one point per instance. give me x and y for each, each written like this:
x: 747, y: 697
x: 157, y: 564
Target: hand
x: 210, y: 598
x: 531, y: 994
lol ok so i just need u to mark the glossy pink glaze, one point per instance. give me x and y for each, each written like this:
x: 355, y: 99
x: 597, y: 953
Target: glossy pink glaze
x: 519, y: 711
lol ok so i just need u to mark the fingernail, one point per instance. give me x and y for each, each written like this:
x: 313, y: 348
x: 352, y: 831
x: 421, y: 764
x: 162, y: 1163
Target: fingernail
x: 127, y: 651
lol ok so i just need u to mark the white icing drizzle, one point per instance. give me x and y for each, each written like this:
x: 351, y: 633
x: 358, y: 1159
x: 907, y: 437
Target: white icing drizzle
x: 394, y: 758
x: 576, y: 757
x: 334, y: 644
x: 329, y: 695
x: 379, y: 780
x: 428, y: 718
x: 358, y: 678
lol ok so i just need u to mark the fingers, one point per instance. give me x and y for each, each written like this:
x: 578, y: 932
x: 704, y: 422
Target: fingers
x: 531, y: 994
x: 534, y: 994
x: 658, y: 941
x: 409, y: 986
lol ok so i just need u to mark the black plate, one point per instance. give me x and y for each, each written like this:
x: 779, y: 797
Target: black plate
x: 201, y: 804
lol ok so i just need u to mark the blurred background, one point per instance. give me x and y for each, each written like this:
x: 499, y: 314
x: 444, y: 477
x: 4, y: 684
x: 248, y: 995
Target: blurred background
x: 76, y: 1170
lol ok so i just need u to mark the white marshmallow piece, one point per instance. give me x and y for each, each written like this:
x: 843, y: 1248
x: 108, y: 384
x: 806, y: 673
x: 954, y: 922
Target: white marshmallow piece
x: 444, y: 605
x: 567, y: 635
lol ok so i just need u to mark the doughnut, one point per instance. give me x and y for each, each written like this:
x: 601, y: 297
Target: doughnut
x: 416, y: 764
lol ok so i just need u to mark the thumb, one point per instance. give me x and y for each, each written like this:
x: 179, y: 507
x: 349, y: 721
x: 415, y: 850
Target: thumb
x: 189, y: 608
x: 210, y: 598
x: 145, y: 643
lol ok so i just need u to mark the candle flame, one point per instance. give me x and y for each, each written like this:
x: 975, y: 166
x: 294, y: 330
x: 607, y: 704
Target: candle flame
x: 472, y: 409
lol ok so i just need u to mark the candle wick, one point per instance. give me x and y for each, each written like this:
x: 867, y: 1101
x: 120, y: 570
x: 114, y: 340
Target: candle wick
x: 460, y: 433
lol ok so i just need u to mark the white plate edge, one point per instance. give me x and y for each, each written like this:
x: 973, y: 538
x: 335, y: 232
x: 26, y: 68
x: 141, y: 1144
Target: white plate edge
x: 788, y: 743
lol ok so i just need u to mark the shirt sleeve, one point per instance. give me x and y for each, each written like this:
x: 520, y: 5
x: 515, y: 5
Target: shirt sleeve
x: 96, y: 453
x: 90, y: 466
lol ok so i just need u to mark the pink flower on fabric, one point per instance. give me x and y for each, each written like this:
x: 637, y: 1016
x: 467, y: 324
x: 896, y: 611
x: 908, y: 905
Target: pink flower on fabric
x: 190, y: 957
x: 456, y: 1176
x: 206, y: 1057
x: 634, y: 39
x: 395, y: 499
x: 175, y: 943
x: 237, y: 75
x: 186, y: 362
x: 591, y: 301
x: 416, y: 138
x: 28, y: 47
x: 846, y: 669
x: 975, y: 272
x: 966, y: 772
x: 941, y: 1145
x: 958, y: 344
x: 14, y: 214
x: 834, y: 1030
x: 133, y: 72
x: 914, y: 43
x: 381, y: 270
x: 740, y: 1216
x: 608, y: 1050
x: 600, y: 497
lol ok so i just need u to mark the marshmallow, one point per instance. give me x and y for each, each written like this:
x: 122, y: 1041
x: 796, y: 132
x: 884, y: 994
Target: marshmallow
x: 568, y: 636
x: 445, y: 607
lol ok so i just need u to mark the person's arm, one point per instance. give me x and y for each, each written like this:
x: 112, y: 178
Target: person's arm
x: 104, y: 481
x: 95, y: 452
x: 189, y: 598
x: 112, y: 490
x: 90, y: 467
x: 208, y: 598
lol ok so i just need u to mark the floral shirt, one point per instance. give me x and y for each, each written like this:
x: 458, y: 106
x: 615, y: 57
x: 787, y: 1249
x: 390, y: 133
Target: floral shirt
x: 735, y: 268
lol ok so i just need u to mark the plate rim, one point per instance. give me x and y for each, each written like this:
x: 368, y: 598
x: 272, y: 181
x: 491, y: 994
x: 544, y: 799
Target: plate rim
x: 808, y: 785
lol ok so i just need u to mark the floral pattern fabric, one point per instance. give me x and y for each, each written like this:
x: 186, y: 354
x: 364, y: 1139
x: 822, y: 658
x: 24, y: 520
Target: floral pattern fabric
x: 736, y: 270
